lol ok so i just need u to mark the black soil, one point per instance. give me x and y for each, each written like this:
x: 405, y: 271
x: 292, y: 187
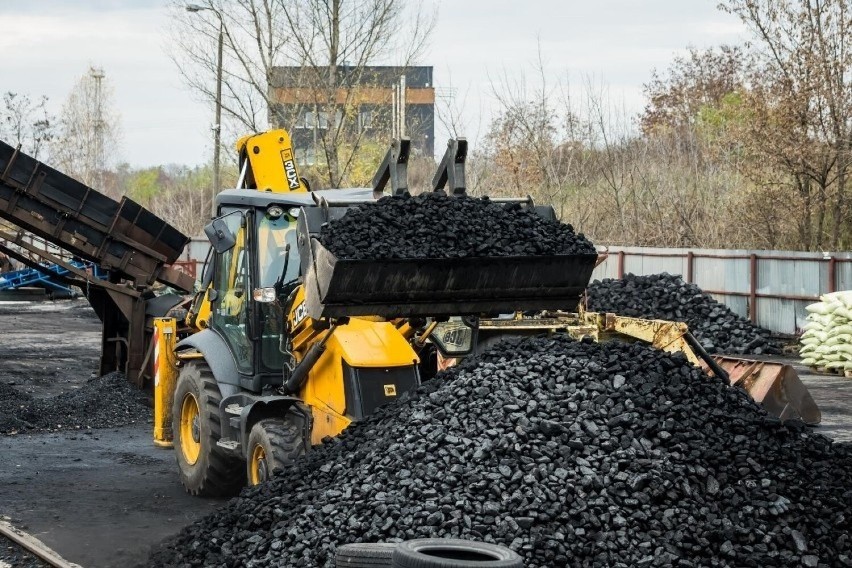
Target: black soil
x: 433, y: 225
x: 668, y: 297
x: 102, y: 402
x: 570, y: 453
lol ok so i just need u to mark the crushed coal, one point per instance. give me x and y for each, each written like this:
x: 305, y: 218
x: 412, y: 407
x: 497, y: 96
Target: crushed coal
x: 103, y: 402
x: 570, y: 453
x: 666, y: 296
x: 433, y: 225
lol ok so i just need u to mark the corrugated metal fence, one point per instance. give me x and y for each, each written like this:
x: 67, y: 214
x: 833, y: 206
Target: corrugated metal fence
x: 771, y: 288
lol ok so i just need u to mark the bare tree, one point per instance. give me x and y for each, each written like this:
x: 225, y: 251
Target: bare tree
x: 331, y: 43
x: 87, y: 140
x: 692, y: 84
x: 803, y: 101
x: 26, y: 122
x: 539, y: 140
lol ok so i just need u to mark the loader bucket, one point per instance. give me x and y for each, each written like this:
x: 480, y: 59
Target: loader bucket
x: 776, y: 386
x: 433, y: 286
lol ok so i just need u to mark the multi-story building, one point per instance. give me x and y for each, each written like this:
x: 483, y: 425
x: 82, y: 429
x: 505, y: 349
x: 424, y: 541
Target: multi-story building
x: 373, y: 99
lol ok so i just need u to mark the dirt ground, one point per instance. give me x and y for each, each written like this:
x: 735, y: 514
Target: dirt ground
x: 102, y: 498
x: 46, y: 340
x: 833, y: 396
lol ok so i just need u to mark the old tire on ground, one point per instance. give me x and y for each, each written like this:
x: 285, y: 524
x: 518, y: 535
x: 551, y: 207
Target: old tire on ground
x: 273, y: 443
x: 453, y: 553
x: 365, y: 555
x: 205, y: 469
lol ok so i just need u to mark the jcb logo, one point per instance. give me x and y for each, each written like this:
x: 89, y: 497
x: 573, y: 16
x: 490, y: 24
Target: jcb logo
x: 290, y: 169
x: 292, y: 177
x: 390, y: 390
x: 300, y: 313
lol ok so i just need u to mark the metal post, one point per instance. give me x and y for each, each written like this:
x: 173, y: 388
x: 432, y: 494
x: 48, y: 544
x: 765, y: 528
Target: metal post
x: 832, y: 274
x: 217, y: 128
x: 620, y: 264
x: 690, y: 261
x: 752, y: 296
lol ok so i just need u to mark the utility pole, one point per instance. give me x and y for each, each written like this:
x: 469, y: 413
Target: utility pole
x: 98, y: 150
x: 217, y: 126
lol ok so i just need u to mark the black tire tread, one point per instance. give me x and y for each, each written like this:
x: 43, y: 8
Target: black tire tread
x: 225, y: 475
x: 286, y: 439
x: 365, y: 555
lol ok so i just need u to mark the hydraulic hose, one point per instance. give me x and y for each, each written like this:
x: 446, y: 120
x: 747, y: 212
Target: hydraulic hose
x: 706, y: 357
x: 300, y: 374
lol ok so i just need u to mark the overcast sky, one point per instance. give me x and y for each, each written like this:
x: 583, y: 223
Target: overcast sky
x: 47, y: 44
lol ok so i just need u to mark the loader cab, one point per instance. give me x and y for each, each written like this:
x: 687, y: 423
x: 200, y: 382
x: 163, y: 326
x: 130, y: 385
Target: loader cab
x: 255, y: 267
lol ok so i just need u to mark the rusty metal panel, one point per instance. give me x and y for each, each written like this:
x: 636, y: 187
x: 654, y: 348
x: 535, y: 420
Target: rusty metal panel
x: 777, y: 315
x: 792, y: 277
x: 609, y: 267
x: 644, y: 261
x: 723, y: 275
x: 844, y: 275
x: 800, y: 314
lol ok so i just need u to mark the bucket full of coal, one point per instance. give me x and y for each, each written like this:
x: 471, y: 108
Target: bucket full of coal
x: 437, y: 256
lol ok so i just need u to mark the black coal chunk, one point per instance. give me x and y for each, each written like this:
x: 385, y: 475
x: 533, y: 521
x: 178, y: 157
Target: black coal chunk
x: 533, y: 446
x: 433, y: 225
x: 103, y: 402
x: 666, y: 296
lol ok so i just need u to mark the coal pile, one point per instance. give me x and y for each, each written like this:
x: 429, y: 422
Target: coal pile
x: 570, y: 453
x: 433, y: 225
x: 103, y: 402
x: 668, y: 297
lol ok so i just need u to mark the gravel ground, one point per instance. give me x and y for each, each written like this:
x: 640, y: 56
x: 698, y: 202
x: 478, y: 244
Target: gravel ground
x: 570, y: 453
x: 665, y: 296
x: 13, y: 556
x: 433, y: 225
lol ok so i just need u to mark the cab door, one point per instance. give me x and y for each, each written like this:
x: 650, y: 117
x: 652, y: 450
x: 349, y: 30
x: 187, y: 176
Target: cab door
x: 232, y: 283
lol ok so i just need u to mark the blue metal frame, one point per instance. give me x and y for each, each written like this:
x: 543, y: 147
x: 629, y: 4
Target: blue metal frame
x: 45, y: 276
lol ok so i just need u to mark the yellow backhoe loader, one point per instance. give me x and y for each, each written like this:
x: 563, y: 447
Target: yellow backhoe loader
x: 286, y: 345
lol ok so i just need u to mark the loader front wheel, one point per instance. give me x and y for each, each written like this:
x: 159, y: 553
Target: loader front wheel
x: 273, y: 443
x: 205, y: 469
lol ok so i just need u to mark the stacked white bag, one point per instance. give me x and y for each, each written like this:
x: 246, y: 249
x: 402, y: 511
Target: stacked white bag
x: 827, y: 339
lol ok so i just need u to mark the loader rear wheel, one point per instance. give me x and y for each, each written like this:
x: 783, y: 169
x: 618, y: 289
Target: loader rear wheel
x: 205, y: 469
x: 273, y: 443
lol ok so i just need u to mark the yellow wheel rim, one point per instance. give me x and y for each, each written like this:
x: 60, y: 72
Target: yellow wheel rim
x: 257, y: 469
x: 190, y: 430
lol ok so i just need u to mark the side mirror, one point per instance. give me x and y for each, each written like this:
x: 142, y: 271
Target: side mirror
x: 220, y: 235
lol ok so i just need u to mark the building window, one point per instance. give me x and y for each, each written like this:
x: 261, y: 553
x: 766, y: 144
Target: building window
x: 323, y: 120
x: 306, y: 156
x: 305, y: 120
x: 365, y: 119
